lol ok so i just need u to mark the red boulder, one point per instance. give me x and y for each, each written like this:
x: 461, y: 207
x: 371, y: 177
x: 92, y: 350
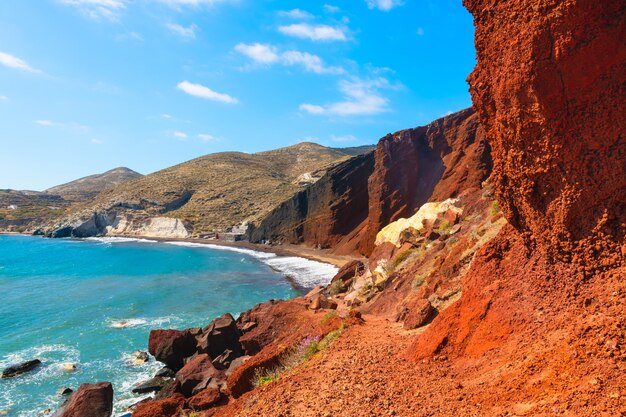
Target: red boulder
x: 172, y: 346
x: 89, y: 400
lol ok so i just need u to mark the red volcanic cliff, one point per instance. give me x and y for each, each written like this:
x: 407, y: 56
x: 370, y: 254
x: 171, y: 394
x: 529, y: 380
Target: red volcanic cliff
x: 543, y: 301
x: 428, y: 163
x: 347, y: 207
x: 550, y: 91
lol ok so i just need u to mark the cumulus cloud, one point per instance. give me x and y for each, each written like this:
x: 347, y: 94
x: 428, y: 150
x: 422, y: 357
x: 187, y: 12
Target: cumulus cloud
x: 180, y: 135
x: 321, y: 33
x: 384, y: 5
x: 205, y: 137
x: 361, y: 97
x: 258, y: 52
x: 295, y: 14
x: 98, y: 9
x: 185, y: 32
x: 13, y: 62
x: 331, y: 9
x: 268, y: 54
x: 201, y: 91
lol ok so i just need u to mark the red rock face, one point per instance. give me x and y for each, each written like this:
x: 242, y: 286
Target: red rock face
x: 345, y: 209
x: 429, y: 163
x: 549, y: 88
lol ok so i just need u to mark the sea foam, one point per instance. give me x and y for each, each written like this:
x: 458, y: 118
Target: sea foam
x: 304, y: 272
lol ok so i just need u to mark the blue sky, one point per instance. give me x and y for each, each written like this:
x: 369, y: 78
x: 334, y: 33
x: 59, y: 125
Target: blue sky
x: 88, y: 85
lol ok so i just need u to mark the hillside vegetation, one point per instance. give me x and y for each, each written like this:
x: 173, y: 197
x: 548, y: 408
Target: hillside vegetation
x: 217, y: 191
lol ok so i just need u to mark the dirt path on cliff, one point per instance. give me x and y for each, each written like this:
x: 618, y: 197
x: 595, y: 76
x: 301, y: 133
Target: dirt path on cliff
x: 364, y: 374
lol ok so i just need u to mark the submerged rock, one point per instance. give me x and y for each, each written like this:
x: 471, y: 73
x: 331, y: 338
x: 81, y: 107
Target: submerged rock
x: 63, y: 391
x: 139, y: 357
x: 69, y: 367
x: 20, y: 368
x: 90, y: 400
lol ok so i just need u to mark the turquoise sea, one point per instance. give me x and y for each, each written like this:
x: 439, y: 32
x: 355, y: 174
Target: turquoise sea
x: 63, y: 301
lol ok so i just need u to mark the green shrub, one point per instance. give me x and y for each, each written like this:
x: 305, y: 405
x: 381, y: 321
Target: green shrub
x: 328, y: 316
x: 495, y: 208
x: 336, y: 287
x: 444, y: 226
x: 418, y: 281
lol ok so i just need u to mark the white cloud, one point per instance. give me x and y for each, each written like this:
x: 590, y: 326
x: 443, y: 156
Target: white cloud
x: 310, y: 62
x: 260, y: 53
x: 384, y: 5
x: 361, y: 97
x: 96, y: 141
x: 206, y: 137
x: 14, y: 62
x: 180, y: 135
x: 198, y: 90
x: 166, y: 116
x: 186, y: 32
x: 193, y: 3
x: 312, y: 108
x: 71, y: 126
x: 4, y: 98
x: 343, y: 138
x: 295, y: 14
x: 98, y: 9
x: 268, y: 54
x: 331, y: 9
x: 314, y: 32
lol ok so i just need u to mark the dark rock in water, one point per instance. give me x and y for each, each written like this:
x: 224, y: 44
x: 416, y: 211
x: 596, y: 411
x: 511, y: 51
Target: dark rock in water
x: 64, y: 391
x: 62, y: 232
x: 172, y: 346
x: 90, y: 400
x: 196, y: 375
x: 20, y: 368
x: 165, y: 372
x: 221, y: 334
x: 151, y: 385
x: 223, y: 361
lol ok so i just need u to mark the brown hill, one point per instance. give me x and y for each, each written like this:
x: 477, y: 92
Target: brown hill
x: 212, y: 193
x: 88, y: 187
